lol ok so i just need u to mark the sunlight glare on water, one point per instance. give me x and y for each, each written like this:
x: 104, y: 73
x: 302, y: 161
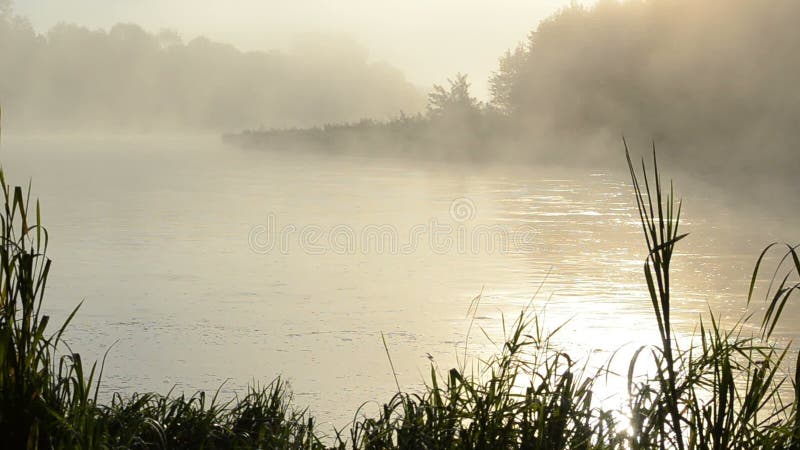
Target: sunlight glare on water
x: 167, y: 241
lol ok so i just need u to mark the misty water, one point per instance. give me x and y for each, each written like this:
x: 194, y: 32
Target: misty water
x: 201, y: 263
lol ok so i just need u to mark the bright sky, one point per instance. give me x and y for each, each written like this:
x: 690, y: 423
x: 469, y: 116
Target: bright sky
x: 428, y: 39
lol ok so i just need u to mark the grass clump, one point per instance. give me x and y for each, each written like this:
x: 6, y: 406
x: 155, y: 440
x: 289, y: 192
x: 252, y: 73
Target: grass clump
x: 46, y: 400
x: 263, y: 418
x: 726, y: 390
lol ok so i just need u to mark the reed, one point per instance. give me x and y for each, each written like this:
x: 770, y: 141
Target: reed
x: 46, y: 400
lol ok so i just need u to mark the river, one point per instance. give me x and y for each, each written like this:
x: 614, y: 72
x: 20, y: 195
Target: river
x: 201, y: 263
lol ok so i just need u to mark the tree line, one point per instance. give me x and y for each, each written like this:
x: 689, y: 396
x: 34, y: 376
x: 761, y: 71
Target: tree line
x: 714, y: 82
x: 72, y: 78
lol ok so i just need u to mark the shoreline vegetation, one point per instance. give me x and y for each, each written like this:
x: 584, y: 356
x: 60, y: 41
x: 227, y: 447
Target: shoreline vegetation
x: 720, y: 103
x: 725, y: 391
x: 455, y: 126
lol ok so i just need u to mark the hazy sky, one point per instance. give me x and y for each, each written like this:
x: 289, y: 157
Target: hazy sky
x: 430, y: 40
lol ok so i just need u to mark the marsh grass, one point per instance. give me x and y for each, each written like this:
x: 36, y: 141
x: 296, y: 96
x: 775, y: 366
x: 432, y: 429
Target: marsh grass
x: 722, y: 391
x: 45, y: 400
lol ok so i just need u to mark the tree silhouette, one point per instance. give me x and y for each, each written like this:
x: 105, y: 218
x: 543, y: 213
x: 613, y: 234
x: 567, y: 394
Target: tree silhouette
x: 502, y: 82
x: 455, y: 100
x: 129, y: 79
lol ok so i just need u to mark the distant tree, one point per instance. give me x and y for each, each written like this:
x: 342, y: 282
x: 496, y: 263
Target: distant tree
x: 128, y: 79
x: 502, y: 82
x: 455, y: 100
x: 169, y: 38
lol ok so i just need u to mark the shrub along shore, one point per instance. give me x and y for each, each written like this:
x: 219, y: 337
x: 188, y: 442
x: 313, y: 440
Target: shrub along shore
x: 728, y: 391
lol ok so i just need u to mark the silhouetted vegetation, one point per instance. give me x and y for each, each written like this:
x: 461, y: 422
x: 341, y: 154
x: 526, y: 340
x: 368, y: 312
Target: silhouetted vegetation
x: 129, y: 80
x: 694, y: 71
x: 454, y: 126
x: 724, y: 391
x: 711, y: 80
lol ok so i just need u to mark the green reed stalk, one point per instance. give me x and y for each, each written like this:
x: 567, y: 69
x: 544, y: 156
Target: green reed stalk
x: 660, y: 226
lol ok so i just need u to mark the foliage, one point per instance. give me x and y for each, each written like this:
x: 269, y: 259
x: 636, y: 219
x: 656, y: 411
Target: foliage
x: 127, y: 79
x: 503, y: 81
x: 456, y: 125
x: 46, y: 400
x: 455, y: 100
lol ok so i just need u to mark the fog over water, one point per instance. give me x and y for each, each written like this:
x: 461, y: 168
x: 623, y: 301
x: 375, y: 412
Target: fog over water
x: 168, y: 243
x: 719, y: 103
x: 244, y: 190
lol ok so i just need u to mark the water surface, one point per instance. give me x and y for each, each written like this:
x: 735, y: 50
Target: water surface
x: 191, y: 259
